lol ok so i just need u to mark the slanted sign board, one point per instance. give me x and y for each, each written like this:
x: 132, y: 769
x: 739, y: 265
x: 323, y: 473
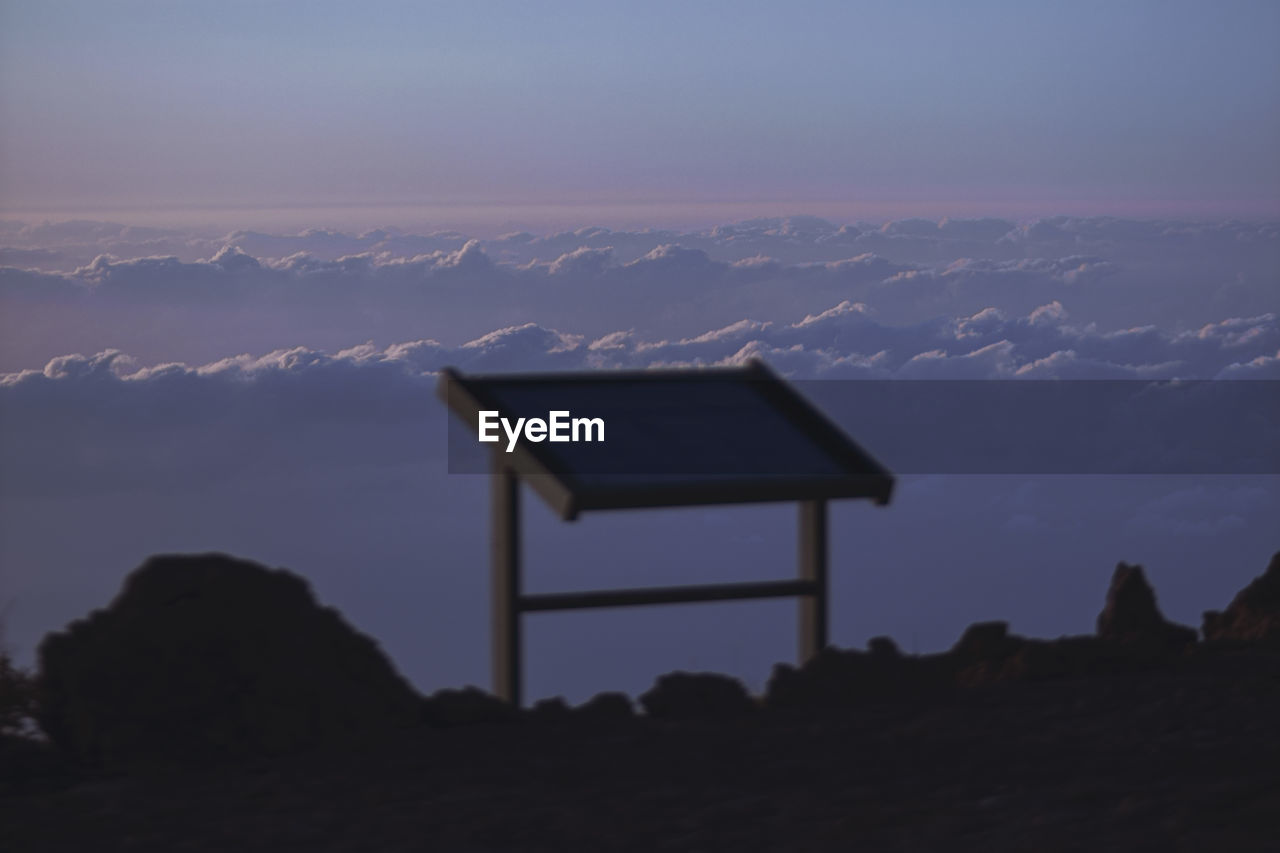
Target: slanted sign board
x: 656, y: 438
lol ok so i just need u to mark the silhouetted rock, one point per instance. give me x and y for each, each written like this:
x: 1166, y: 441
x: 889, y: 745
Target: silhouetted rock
x: 840, y: 678
x: 1037, y: 659
x: 984, y: 654
x: 1131, y: 614
x: 683, y: 695
x: 202, y: 656
x: 465, y: 707
x: 1254, y: 614
x: 985, y: 642
x: 883, y: 647
x: 606, y: 706
x: 1067, y: 656
x: 1180, y: 747
x: 554, y: 710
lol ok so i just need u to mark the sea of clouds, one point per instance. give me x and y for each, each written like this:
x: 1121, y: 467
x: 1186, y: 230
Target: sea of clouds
x: 272, y: 396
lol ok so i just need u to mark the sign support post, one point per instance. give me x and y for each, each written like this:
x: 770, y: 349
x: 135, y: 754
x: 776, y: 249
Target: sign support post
x: 813, y: 568
x: 506, y: 583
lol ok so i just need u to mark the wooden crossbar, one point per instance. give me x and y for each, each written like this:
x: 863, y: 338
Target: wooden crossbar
x: 665, y: 595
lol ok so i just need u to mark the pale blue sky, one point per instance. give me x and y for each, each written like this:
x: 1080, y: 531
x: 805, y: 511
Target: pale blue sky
x: 1086, y: 106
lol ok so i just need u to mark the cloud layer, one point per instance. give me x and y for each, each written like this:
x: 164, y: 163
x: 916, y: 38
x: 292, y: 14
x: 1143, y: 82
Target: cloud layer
x: 161, y: 295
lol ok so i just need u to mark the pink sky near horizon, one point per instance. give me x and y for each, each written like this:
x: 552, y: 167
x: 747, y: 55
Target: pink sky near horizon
x: 490, y: 220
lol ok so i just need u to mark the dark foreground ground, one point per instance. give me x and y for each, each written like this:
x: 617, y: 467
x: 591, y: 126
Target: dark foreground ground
x: 1183, y: 757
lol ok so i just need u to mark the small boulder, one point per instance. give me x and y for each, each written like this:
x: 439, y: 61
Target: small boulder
x: 1131, y: 614
x: 606, y: 706
x: 553, y: 710
x: 1254, y: 614
x: 985, y: 642
x: 208, y: 656
x: 686, y: 695
x: 884, y: 648
x: 465, y: 707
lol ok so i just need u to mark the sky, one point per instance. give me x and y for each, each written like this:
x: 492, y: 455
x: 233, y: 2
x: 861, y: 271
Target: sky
x: 636, y: 113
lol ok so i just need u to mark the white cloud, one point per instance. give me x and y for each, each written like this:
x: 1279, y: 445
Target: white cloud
x: 168, y: 295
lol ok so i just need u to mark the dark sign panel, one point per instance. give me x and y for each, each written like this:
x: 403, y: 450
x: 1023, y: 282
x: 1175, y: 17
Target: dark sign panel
x: 663, y: 438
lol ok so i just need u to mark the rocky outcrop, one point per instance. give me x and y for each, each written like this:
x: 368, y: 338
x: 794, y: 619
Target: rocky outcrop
x: 1132, y: 635
x: 1254, y: 614
x: 211, y: 656
x: 686, y: 695
x: 1131, y: 614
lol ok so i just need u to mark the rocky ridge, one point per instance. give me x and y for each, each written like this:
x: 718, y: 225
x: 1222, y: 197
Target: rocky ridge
x: 1139, y: 737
